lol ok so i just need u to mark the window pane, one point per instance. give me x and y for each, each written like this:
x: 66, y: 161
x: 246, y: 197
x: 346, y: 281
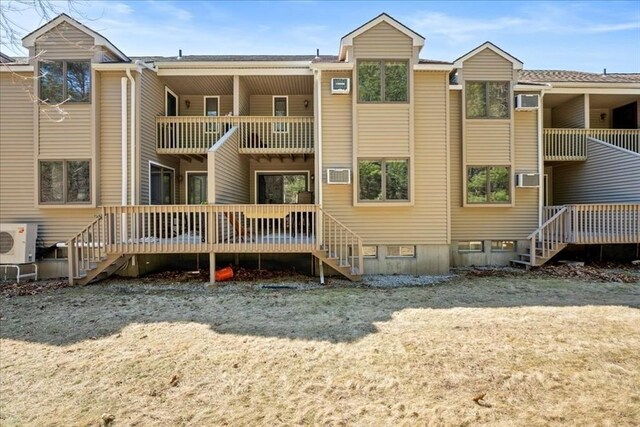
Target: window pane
x: 156, y: 188
x: 78, y: 81
x: 51, y: 82
x: 211, y: 107
x: 397, y: 179
x: 167, y: 187
x: 470, y: 246
x: 401, y: 251
x: 498, y: 99
x: 369, y: 82
x: 503, y: 246
x: 279, y: 107
x: 396, y: 81
x: 293, y: 184
x: 476, y: 102
x: 476, y: 185
x: 499, y: 180
x: 78, y: 181
x: 370, y: 182
x: 51, y: 178
x: 370, y: 251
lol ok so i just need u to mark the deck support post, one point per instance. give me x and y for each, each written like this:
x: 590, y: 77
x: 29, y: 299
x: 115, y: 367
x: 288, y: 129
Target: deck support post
x: 321, y: 273
x: 212, y: 267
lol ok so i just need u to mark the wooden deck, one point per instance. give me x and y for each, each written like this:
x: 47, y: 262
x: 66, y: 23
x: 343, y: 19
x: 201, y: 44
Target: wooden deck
x: 194, y: 135
x: 582, y: 225
x: 169, y: 229
x: 571, y: 144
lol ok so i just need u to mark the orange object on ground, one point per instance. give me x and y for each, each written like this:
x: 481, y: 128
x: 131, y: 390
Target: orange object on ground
x: 224, y: 274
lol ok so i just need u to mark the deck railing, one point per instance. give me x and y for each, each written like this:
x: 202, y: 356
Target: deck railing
x: 546, y: 240
x: 342, y: 244
x: 87, y: 248
x: 603, y: 223
x: 571, y: 144
x: 258, y: 134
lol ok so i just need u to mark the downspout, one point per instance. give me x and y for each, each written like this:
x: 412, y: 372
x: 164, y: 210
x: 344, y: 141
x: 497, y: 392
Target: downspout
x: 319, y: 142
x: 123, y: 109
x: 541, y: 159
x: 133, y: 137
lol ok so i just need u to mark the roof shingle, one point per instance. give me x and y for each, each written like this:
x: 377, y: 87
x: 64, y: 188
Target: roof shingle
x: 551, y: 76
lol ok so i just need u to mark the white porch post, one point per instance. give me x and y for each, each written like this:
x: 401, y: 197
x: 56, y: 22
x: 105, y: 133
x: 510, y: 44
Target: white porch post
x: 587, y: 123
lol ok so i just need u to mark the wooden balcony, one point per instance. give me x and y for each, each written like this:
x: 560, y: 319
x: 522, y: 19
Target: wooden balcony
x: 194, y: 135
x: 571, y: 144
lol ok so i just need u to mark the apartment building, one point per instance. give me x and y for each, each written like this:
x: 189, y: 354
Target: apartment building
x: 373, y: 161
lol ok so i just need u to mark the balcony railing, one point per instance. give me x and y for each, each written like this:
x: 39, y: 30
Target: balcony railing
x: 571, y: 144
x: 258, y: 134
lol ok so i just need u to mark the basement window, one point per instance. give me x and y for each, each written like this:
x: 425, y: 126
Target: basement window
x: 503, y: 246
x: 470, y: 246
x: 401, y: 251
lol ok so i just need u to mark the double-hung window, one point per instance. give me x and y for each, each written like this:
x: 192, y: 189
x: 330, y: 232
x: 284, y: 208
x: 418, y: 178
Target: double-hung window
x: 65, y: 181
x: 383, y: 81
x: 383, y: 180
x: 488, y: 184
x: 62, y: 81
x: 487, y: 100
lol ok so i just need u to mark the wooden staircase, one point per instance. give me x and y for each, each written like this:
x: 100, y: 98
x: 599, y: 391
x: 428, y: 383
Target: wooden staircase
x: 548, y: 240
x: 88, y: 258
x: 340, y: 248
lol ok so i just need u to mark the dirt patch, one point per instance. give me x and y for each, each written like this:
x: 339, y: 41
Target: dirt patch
x: 619, y: 273
x: 12, y: 289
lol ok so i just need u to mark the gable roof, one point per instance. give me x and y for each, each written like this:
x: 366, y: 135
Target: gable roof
x: 517, y: 64
x: 564, y: 76
x: 99, y: 40
x: 347, y: 39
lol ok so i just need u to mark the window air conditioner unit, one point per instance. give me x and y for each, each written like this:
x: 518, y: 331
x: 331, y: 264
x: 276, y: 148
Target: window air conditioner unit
x: 527, y: 180
x: 340, y: 85
x: 338, y: 176
x: 527, y: 102
x: 18, y: 243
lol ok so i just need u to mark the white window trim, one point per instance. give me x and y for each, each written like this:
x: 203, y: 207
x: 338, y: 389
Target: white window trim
x: 186, y: 183
x: 173, y: 184
x: 273, y: 112
x: 278, y: 172
x: 383, y: 202
x: 167, y: 90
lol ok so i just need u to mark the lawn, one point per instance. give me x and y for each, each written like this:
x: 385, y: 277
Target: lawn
x: 542, y: 351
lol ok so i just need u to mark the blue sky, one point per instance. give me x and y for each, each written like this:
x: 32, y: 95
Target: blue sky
x: 587, y: 36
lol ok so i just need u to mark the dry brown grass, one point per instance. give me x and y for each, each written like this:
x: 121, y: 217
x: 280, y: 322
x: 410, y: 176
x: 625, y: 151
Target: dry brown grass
x: 545, y: 352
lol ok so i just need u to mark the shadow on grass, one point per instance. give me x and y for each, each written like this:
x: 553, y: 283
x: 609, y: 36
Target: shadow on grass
x: 335, y: 315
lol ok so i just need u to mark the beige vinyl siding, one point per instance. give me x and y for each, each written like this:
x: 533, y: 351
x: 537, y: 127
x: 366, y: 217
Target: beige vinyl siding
x: 151, y: 91
x: 197, y: 105
x: 228, y: 178
x: 595, y: 122
x: 287, y: 165
x: 244, y: 98
x: 477, y: 223
x: 426, y: 221
x: 487, y: 65
x: 383, y: 130
x: 609, y: 175
x: 569, y: 114
x: 547, y: 122
x: 488, y: 142
x: 383, y: 41
x: 262, y: 105
x: 337, y: 137
x: 110, y: 138
x: 65, y: 42
x: 18, y: 183
x: 65, y: 136
x: 526, y: 133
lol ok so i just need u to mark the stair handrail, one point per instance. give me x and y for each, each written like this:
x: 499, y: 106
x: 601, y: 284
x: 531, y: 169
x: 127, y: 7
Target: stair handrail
x: 86, y: 247
x: 349, y: 246
x: 554, y: 227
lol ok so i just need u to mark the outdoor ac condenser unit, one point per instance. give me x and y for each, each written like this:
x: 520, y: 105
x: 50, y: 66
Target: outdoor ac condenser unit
x: 338, y: 176
x: 526, y: 102
x: 18, y: 243
x: 340, y: 85
x: 527, y: 180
